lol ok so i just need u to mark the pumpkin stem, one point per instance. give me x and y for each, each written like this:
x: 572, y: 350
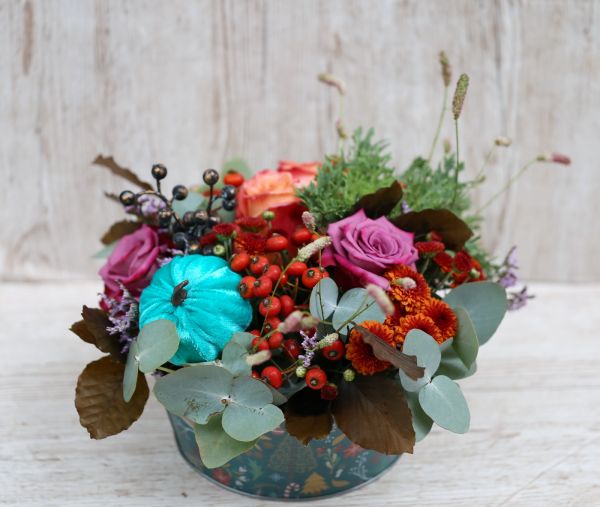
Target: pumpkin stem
x: 179, y: 293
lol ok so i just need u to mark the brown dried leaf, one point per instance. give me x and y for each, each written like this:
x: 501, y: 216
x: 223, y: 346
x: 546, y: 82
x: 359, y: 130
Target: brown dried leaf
x: 96, y: 322
x: 453, y: 230
x: 80, y: 329
x: 118, y: 230
x: 307, y: 427
x: 384, y: 352
x: 381, y: 202
x: 374, y: 414
x: 123, y: 172
x: 99, y: 398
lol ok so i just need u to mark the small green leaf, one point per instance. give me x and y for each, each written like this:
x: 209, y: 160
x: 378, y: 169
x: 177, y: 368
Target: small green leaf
x: 486, y: 304
x: 250, y: 413
x: 157, y: 343
x: 323, y: 299
x: 355, y: 306
x: 427, y: 351
x: 443, y: 401
x: 239, y: 165
x: 131, y: 372
x: 422, y: 423
x: 234, y: 359
x: 196, y: 392
x: 217, y: 447
x: 465, y: 342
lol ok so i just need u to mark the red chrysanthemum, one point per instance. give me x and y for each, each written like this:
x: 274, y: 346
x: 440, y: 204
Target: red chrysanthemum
x: 208, y: 239
x: 429, y: 247
x: 444, y: 261
x: 225, y: 230
x: 252, y: 224
x: 360, y: 354
x: 418, y: 321
x: 407, y: 288
x: 250, y: 242
x: 443, y: 316
x: 462, y: 262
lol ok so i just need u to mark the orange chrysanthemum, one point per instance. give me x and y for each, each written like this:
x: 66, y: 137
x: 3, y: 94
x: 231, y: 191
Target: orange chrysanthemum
x: 443, y: 316
x: 360, y: 354
x: 407, y: 288
x: 418, y: 321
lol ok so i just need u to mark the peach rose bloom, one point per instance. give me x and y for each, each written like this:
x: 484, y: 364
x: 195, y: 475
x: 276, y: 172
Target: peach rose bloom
x: 266, y: 189
x: 302, y: 174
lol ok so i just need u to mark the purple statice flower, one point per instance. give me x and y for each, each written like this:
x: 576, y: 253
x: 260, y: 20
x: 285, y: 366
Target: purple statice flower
x: 508, y: 271
x: 123, y: 314
x: 517, y: 300
x: 147, y: 206
x: 309, y: 344
x: 405, y: 207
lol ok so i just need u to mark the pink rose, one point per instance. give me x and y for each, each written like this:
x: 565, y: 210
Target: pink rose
x: 302, y: 174
x: 132, y: 262
x: 266, y: 189
x: 363, y: 249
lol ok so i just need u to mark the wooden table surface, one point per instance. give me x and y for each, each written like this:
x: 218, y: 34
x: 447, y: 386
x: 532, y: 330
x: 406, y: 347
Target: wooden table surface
x: 534, y: 439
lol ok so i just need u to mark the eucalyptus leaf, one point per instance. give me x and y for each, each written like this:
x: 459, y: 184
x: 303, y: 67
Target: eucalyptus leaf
x: 196, y: 392
x: 234, y: 359
x: 427, y: 351
x: 191, y: 203
x: 453, y: 367
x: 465, y: 342
x: 250, y: 413
x: 486, y: 304
x: 323, y: 299
x: 157, y: 343
x: 239, y: 165
x: 355, y: 306
x: 105, y: 252
x: 422, y: 423
x: 243, y: 339
x: 215, y: 445
x: 443, y: 401
x: 131, y: 372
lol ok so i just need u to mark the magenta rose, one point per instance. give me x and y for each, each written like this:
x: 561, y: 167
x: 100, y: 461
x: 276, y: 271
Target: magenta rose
x: 132, y: 263
x: 362, y: 249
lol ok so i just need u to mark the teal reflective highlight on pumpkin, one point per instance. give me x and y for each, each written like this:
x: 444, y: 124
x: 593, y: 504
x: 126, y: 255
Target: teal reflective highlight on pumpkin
x: 280, y: 467
x: 210, y: 313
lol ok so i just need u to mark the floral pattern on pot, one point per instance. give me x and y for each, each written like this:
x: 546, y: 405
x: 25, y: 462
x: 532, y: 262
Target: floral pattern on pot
x: 279, y: 466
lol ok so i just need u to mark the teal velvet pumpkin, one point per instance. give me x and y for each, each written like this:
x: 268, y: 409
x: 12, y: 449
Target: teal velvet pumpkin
x: 206, y: 310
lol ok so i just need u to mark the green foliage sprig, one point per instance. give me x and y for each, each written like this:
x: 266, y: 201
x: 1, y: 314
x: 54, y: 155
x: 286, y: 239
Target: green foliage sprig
x: 344, y: 178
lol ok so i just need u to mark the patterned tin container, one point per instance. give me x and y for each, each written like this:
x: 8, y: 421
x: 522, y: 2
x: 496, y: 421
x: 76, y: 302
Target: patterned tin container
x: 280, y: 467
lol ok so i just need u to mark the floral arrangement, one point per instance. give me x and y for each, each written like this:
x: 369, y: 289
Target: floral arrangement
x: 336, y: 291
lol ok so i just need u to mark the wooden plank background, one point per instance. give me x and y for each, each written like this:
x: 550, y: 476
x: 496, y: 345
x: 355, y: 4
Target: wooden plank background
x: 194, y: 83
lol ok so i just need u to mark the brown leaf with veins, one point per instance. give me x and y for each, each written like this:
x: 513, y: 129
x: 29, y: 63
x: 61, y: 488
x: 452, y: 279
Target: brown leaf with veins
x: 92, y: 329
x: 453, y: 230
x: 99, y: 398
x: 385, y: 352
x: 381, y: 202
x: 118, y: 230
x: 373, y: 413
x: 123, y: 172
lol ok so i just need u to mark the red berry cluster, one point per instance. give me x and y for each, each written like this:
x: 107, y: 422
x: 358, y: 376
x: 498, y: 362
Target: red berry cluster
x: 276, y: 288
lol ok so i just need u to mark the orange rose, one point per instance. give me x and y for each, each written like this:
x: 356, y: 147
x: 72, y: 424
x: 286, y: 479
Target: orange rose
x: 302, y: 174
x: 266, y: 189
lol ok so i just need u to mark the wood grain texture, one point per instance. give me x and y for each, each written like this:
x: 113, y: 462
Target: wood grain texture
x: 192, y: 84
x: 534, y: 438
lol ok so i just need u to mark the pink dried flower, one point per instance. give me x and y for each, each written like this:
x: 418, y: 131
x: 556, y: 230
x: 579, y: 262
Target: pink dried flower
x: 292, y: 323
x: 557, y: 158
x: 381, y: 298
x: 308, y: 219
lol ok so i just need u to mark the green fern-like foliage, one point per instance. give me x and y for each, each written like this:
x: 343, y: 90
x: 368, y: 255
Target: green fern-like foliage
x: 345, y: 178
